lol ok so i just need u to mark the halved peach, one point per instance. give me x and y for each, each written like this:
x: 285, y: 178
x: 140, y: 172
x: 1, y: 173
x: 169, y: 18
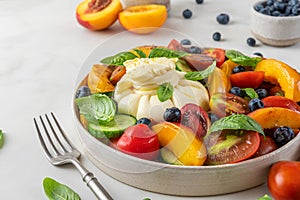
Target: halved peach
x: 277, y: 72
x: 143, y: 19
x: 97, y: 14
x: 275, y: 116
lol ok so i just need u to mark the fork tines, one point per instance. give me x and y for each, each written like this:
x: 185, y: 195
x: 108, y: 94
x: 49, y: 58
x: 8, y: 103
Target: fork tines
x: 54, y: 136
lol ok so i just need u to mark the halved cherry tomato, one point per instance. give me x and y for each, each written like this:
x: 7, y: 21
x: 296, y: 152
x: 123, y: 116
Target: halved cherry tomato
x: 140, y: 141
x: 175, y: 45
x: 231, y: 146
x: 248, y: 79
x: 280, y: 101
x: 284, y: 180
x: 196, y: 118
x: 217, y: 53
x: 224, y: 104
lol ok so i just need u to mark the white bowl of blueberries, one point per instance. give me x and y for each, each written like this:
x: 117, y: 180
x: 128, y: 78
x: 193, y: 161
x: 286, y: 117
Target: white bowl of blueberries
x: 276, y: 22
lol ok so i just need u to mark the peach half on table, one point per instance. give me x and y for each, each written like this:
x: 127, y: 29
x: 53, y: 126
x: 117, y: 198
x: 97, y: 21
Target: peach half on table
x: 98, y: 14
x: 143, y: 19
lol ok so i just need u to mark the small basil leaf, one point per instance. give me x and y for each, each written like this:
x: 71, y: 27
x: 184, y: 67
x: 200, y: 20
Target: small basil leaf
x: 236, y: 122
x: 165, y: 92
x: 164, y: 52
x: 1, y: 138
x: 118, y: 59
x: 250, y: 92
x: 57, y: 191
x: 265, y: 197
x: 200, y: 75
x: 241, y: 59
x: 140, y: 53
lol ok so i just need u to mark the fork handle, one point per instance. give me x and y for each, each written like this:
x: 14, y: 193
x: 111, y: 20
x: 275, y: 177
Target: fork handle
x: 96, y: 187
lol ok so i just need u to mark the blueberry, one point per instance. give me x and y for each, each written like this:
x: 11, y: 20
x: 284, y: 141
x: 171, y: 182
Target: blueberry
x: 144, y: 120
x: 223, y: 18
x: 199, y: 1
x: 83, y: 91
x: 194, y: 49
x: 172, y: 114
x: 238, y: 69
x: 251, y: 41
x: 293, y: 2
x: 212, y: 117
x: 258, y: 54
x: 262, y: 93
x: 270, y: 2
x: 255, y: 104
x: 237, y: 91
x: 187, y: 13
x: 276, y: 13
x: 216, y: 36
x: 295, y: 10
x: 283, y: 135
x: 265, y: 11
x: 279, y: 6
x: 288, y: 10
x: 185, y: 42
x: 258, y: 7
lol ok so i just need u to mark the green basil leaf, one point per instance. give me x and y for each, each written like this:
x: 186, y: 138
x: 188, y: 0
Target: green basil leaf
x: 200, y: 75
x: 1, y: 138
x: 57, y: 191
x: 118, y: 59
x: 236, y: 122
x: 250, y: 92
x: 165, y: 92
x: 97, y: 106
x: 164, y: 52
x: 241, y: 59
x: 265, y: 197
x: 140, y: 53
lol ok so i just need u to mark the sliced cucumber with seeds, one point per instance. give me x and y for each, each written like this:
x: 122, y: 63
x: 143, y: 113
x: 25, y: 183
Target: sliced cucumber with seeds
x: 181, y: 65
x: 112, y: 129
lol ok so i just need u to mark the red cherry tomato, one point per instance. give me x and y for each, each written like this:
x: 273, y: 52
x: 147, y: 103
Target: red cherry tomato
x: 248, y: 79
x: 284, y: 180
x: 229, y: 146
x: 280, y: 101
x: 217, y: 53
x: 196, y: 118
x: 140, y: 141
x: 266, y: 146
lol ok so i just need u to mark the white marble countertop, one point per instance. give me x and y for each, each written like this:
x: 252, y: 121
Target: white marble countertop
x: 42, y: 48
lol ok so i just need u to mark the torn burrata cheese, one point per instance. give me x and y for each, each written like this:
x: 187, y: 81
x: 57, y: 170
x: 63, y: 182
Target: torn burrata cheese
x: 136, y: 92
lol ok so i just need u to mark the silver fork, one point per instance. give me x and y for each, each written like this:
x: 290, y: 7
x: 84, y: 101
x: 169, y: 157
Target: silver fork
x: 59, y: 151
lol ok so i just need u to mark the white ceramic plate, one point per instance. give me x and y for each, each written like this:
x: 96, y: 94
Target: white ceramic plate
x: 165, y: 178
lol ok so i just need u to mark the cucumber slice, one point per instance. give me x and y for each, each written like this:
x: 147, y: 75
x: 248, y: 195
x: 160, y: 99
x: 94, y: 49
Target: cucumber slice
x: 169, y: 157
x: 182, y: 66
x: 114, y: 128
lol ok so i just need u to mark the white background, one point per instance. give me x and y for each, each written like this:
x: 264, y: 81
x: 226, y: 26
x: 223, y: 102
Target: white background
x: 42, y: 48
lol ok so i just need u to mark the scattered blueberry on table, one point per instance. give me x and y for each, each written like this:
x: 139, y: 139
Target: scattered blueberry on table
x: 216, y: 36
x: 279, y: 8
x: 187, y: 13
x: 199, y: 1
x: 223, y: 18
x: 251, y: 42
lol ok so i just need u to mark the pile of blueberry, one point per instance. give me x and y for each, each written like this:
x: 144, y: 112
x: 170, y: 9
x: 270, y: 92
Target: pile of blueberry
x: 279, y: 8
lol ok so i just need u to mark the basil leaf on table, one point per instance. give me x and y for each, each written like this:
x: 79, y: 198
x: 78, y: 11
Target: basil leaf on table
x: 200, y: 75
x: 164, y: 52
x: 165, y: 92
x: 236, y: 122
x: 118, y: 59
x: 1, y: 138
x: 57, y: 191
x: 241, y: 59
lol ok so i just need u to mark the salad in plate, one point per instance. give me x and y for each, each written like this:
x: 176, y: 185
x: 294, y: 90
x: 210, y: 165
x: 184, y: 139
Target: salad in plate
x: 179, y: 106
